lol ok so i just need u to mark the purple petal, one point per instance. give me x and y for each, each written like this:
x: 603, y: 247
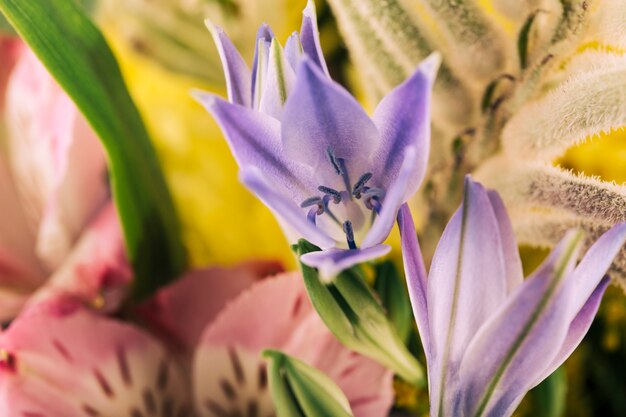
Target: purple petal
x: 595, y: 264
x: 331, y: 262
x: 465, y: 287
x: 236, y: 71
x: 254, y: 140
x: 320, y: 115
x: 279, y: 82
x: 310, y: 38
x: 512, y: 261
x: 515, y: 346
x: 284, y: 208
x: 293, y: 50
x: 577, y: 329
x: 392, y: 201
x: 264, y: 37
x: 403, y: 119
x: 415, y: 275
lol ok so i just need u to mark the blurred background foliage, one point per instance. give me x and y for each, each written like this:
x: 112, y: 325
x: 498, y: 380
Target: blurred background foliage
x: 165, y: 51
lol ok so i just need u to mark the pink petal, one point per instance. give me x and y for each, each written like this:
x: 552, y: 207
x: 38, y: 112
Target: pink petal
x: 366, y: 384
x: 20, y: 271
x: 10, y: 48
x: 97, y: 271
x: 62, y: 360
x: 56, y: 158
x: 276, y: 313
x: 182, y: 310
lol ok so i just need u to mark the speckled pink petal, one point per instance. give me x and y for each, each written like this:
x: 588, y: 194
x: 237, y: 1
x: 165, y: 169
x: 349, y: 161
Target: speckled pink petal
x: 9, y: 51
x: 276, y: 313
x: 20, y: 271
x: 366, y: 384
x: 56, y: 158
x: 97, y: 270
x: 180, y: 312
x: 62, y: 360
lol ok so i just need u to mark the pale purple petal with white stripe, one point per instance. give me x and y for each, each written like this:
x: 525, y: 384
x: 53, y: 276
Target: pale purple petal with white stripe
x: 284, y: 207
x: 512, y: 262
x: 309, y: 36
x: 465, y: 287
x: 522, y: 337
x: 320, y: 115
x: 403, y: 120
x: 415, y: 275
x: 392, y: 201
x: 331, y: 262
x: 577, y: 329
x: 236, y: 71
x: 255, y: 141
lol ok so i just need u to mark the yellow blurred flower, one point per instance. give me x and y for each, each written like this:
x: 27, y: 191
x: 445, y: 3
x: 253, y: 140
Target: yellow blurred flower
x: 222, y: 222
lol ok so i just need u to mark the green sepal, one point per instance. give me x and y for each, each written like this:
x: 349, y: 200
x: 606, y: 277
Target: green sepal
x: 353, y: 314
x: 394, y: 297
x: 79, y: 58
x: 299, y: 390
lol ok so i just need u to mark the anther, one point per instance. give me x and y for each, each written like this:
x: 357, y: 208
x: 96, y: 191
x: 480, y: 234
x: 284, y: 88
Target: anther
x: 7, y: 360
x: 332, y: 192
x: 373, y: 203
x: 347, y: 229
x: 311, y: 201
x: 360, y: 184
x: 372, y: 199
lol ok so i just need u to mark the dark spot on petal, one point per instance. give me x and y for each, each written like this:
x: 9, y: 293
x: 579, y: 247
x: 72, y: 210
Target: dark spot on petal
x: 228, y: 389
x: 32, y: 414
x: 163, y: 375
x: 356, y: 402
x: 253, y: 409
x: 62, y: 349
x: 136, y: 413
x: 236, y: 363
x: 103, y: 383
x: 347, y: 371
x: 123, y: 366
x: 148, y: 401
x: 216, y: 409
x: 297, y: 306
x: 90, y: 411
x: 262, y: 375
x: 167, y: 407
x: 185, y: 411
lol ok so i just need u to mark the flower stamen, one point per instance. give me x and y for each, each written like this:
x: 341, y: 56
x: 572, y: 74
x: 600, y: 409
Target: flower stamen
x: 360, y: 187
x: 336, y: 195
x: 340, y: 168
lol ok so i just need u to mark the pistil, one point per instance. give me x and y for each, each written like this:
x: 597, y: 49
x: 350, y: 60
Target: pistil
x: 347, y: 229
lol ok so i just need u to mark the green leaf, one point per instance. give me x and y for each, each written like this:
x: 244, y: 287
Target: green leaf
x: 77, y: 55
x: 395, y: 299
x: 352, y: 313
x: 5, y: 27
x: 301, y: 390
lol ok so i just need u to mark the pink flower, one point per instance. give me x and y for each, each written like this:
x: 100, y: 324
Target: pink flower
x: 54, y: 193
x: 61, y: 359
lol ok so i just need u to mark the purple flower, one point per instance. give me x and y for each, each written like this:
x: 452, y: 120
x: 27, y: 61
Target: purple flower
x: 489, y: 335
x: 308, y: 150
